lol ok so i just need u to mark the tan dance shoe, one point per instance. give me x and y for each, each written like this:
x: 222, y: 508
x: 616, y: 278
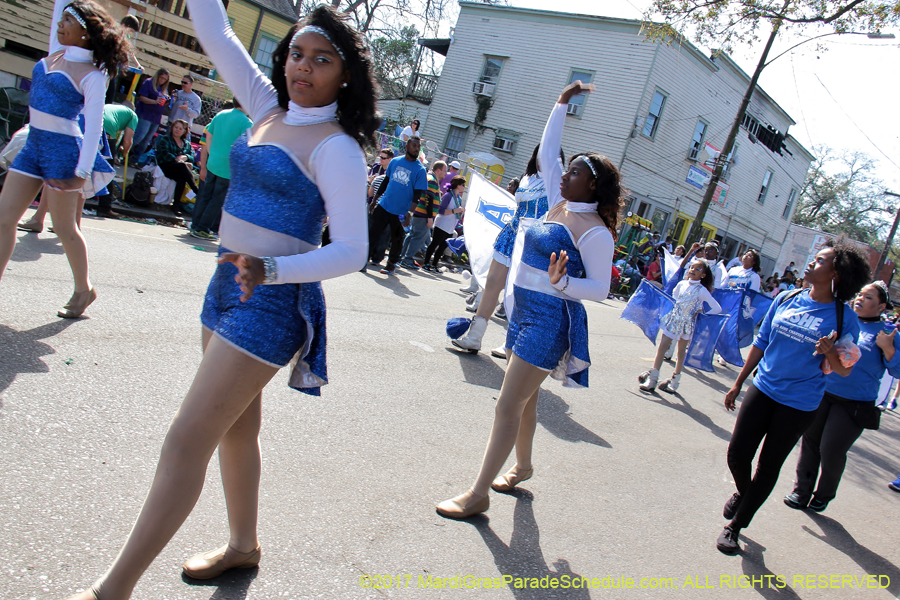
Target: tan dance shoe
x: 508, y: 481
x: 30, y: 225
x: 215, y: 562
x: 76, y: 306
x: 464, y: 506
x: 88, y: 594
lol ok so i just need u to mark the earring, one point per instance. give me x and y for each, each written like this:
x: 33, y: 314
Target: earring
x: 83, y: 37
x: 343, y: 85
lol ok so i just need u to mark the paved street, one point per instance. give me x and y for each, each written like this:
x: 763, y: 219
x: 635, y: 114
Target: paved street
x: 627, y: 486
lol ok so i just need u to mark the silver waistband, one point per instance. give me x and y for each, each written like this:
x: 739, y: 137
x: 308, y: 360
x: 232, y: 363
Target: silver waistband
x: 52, y: 123
x: 539, y: 281
x: 246, y: 238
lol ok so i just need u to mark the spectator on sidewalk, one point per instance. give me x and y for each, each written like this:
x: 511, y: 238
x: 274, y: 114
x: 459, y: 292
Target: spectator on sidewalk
x: 410, y: 131
x: 119, y: 120
x: 186, y: 103
x: 151, y: 103
x: 452, y: 172
x: 423, y: 218
x: 405, y: 181
x: 175, y: 156
x: 221, y: 133
x: 380, y: 166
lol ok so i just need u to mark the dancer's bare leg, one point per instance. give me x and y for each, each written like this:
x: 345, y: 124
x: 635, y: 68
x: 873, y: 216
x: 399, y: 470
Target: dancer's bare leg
x: 664, y: 342
x: 227, y: 383
x: 64, y: 210
x: 520, y: 385
x: 18, y: 192
x: 682, y: 351
x: 80, y: 210
x: 40, y: 215
x: 525, y: 438
x: 241, y: 465
x: 496, y: 281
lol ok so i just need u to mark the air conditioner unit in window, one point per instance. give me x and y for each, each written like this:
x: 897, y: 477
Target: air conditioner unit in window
x: 572, y: 109
x: 480, y: 88
x: 504, y: 144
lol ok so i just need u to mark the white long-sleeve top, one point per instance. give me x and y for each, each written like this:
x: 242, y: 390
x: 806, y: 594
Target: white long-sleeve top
x: 92, y: 86
x: 337, y: 166
x: 596, y: 245
x: 705, y: 295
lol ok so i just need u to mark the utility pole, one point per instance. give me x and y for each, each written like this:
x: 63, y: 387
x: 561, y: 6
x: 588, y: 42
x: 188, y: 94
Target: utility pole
x: 890, y: 240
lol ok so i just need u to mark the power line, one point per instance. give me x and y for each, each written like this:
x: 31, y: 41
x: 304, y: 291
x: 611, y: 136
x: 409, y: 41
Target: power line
x: 874, y: 145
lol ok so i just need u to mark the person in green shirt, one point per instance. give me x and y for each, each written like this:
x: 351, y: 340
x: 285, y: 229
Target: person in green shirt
x: 118, y: 119
x: 221, y: 133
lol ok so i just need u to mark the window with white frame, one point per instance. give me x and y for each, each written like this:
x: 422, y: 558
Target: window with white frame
x: 697, y: 139
x: 651, y: 123
x: 491, y: 71
x: 790, y: 204
x: 263, y: 57
x: 506, y: 140
x: 766, y: 184
x: 576, y: 103
x: 456, y: 140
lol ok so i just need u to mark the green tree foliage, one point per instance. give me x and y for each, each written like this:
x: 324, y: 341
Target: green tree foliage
x: 394, y: 59
x: 843, y: 194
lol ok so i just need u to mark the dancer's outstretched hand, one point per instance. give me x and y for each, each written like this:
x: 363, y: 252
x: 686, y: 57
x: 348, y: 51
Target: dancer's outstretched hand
x: 573, y: 89
x: 251, y: 271
x: 557, y: 267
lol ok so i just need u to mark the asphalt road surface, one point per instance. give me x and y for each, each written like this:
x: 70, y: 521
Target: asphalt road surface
x: 626, y: 499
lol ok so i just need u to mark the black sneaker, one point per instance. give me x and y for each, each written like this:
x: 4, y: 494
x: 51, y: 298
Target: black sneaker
x: 728, y: 541
x: 795, y: 501
x: 817, y: 505
x: 731, y: 506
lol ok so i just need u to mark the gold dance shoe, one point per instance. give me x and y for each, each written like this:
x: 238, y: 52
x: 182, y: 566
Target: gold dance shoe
x: 215, y: 562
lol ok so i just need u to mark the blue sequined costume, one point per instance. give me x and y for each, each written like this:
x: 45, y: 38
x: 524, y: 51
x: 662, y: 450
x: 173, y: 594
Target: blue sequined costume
x: 547, y: 328
x: 279, y: 322
x: 531, y: 199
x: 50, y: 154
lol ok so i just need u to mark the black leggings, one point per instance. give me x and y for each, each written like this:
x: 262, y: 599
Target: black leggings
x: 762, y: 417
x: 826, y: 443
x: 181, y: 174
x: 437, y: 246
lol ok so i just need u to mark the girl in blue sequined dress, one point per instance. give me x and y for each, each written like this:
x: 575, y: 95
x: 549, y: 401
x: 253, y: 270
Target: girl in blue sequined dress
x: 86, y: 46
x: 566, y: 258
x: 300, y: 162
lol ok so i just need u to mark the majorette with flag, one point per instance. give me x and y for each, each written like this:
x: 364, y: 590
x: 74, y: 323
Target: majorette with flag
x: 558, y: 261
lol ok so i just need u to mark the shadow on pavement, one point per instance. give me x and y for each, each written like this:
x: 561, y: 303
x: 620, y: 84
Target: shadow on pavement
x: 764, y: 581
x: 838, y: 538
x: 392, y: 283
x: 552, y: 411
x: 523, y: 557
x: 26, y: 350
x: 712, y: 383
x: 699, y: 416
x: 232, y: 585
x: 31, y: 247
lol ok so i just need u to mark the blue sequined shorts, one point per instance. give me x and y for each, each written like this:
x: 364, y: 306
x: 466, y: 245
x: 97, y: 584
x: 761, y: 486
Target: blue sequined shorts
x: 48, y: 155
x: 268, y: 326
x: 539, y: 329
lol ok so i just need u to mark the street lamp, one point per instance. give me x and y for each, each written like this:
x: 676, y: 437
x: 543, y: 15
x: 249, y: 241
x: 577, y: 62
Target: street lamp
x: 890, y: 240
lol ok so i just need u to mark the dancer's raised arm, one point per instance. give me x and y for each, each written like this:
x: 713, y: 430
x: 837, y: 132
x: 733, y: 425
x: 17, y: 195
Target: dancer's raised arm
x: 549, y: 165
x: 248, y: 84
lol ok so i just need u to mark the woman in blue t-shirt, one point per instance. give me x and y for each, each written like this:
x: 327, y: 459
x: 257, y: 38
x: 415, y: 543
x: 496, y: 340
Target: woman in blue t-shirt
x: 782, y: 400
x: 848, y: 406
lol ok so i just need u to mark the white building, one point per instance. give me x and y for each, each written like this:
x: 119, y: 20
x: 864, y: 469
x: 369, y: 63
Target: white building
x: 657, y: 110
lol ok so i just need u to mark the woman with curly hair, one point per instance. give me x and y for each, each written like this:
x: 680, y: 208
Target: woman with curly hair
x: 85, y: 49
x: 746, y: 274
x: 795, y: 337
x: 566, y: 258
x: 300, y: 163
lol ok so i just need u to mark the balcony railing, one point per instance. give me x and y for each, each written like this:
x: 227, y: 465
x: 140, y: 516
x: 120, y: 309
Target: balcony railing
x: 421, y: 87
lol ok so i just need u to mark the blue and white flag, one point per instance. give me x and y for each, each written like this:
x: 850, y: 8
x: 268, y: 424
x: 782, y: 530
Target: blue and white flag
x: 707, y: 329
x: 488, y: 209
x: 671, y: 271
x: 746, y: 309
x: 645, y: 308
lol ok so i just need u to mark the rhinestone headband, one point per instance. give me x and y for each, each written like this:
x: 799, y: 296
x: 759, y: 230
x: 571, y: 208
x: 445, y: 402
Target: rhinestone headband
x: 587, y: 161
x: 323, y: 33
x: 883, y: 287
x: 71, y: 10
